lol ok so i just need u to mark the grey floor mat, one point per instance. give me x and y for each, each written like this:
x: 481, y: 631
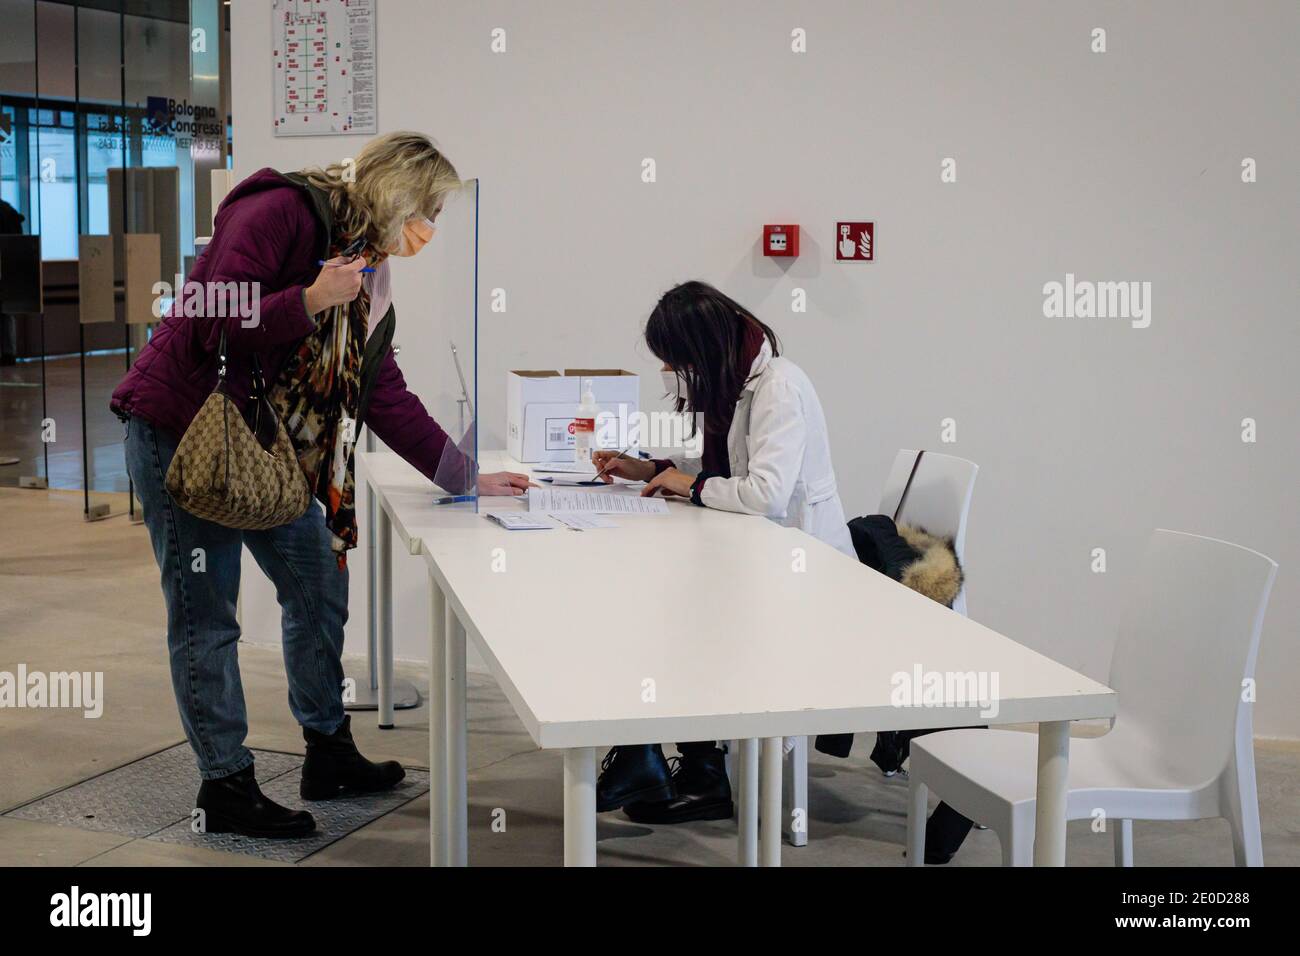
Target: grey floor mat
x: 152, y: 798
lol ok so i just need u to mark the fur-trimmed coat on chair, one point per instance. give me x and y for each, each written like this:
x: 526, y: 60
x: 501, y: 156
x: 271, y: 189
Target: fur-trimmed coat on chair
x: 927, y: 564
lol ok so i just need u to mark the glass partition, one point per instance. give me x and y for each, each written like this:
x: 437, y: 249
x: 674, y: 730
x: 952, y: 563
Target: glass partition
x: 113, y: 113
x: 447, y: 337
x: 22, y: 378
x: 105, y: 347
x: 51, y: 120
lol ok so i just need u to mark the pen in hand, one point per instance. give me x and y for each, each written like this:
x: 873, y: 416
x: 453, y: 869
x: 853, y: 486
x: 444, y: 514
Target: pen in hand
x: 366, y: 271
x: 351, y: 252
x: 609, y: 464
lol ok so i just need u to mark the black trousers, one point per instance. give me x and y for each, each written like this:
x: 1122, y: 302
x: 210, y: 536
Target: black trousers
x: 945, y: 831
x: 698, y: 748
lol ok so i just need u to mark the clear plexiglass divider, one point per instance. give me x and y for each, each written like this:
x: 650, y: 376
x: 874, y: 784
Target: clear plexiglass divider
x: 454, y: 353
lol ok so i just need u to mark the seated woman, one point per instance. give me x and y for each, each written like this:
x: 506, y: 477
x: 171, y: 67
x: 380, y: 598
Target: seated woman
x: 765, y: 452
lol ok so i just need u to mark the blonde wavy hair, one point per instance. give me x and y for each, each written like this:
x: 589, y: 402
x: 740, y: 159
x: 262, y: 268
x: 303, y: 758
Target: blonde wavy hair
x: 395, y: 177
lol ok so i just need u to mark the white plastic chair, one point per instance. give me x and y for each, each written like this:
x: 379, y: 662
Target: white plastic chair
x: 1180, y: 746
x: 939, y: 502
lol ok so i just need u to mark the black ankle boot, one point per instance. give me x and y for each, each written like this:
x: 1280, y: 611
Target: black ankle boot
x: 334, y: 766
x: 236, y: 804
x: 633, y: 773
x: 703, y: 792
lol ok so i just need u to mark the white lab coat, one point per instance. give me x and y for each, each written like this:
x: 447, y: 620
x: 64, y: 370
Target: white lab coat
x: 780, y: 456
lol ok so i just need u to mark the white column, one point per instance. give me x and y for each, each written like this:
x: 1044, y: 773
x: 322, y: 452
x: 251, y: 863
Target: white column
x: 1053, y: 788
x: 439, y: 778
x: 580, y: 807
x: 458, y: 790
x: 383, y: 558
x: 769, y: 842
x: 747, y: 801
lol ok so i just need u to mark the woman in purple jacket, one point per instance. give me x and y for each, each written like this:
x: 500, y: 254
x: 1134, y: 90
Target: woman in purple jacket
x: 328, y: 369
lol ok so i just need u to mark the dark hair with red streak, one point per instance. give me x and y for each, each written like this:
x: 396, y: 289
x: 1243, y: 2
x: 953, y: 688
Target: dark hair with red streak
x: 710, y: 340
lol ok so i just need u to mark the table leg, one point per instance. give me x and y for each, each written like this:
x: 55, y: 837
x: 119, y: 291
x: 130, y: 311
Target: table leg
x: 458, y: 791
x: 439, y: 775
x: 1123, y: 842
x: 769, y: 818
x: 373, y: 597
x: 1053, y: 790
x: 383, y: 558
x: 794, y: 793
x: 580, y: 807
x: 917, y: 796
x: 747, y: 801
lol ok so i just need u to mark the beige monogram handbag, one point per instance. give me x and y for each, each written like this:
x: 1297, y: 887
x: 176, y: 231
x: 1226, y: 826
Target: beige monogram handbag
x: 237, y: 473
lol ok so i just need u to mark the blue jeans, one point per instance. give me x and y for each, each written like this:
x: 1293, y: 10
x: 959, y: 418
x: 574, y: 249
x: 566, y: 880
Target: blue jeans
x: 200, y: 562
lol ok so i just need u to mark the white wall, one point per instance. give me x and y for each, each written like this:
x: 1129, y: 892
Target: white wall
x: 1115, y: 166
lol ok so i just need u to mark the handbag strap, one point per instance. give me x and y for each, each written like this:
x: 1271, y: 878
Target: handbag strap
x: 259, y: 384
x: 908, y: 487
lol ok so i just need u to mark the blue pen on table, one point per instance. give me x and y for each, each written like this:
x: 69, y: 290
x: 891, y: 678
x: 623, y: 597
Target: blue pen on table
x: 453, y: 499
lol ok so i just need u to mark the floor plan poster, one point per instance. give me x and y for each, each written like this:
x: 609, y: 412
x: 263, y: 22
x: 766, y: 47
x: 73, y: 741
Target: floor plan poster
x: 324, y: 56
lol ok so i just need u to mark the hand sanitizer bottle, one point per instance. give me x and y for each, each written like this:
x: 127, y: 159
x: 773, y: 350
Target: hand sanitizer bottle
x: 584, y: 426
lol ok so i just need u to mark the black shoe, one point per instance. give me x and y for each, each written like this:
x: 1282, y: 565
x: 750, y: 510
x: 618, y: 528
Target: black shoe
x: 235, y: 804
x: 629, y: 774
x: 703, y: 792
x: 333, y: 766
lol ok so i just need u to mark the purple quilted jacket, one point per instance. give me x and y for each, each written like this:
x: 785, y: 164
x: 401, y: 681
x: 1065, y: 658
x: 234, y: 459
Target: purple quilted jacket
x: 267, y: 231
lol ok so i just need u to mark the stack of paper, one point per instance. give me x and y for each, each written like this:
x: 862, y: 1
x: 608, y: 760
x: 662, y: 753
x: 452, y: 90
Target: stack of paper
x: 586, y: 522
x: 581, y: 469
x: 520, y: 521
x: 555, y: 501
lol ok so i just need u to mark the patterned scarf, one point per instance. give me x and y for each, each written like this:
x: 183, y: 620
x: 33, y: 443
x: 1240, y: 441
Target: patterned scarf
x: 317, y: 395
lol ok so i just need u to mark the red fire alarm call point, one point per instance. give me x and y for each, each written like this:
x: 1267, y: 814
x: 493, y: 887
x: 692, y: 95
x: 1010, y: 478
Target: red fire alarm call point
x: 781, y: 240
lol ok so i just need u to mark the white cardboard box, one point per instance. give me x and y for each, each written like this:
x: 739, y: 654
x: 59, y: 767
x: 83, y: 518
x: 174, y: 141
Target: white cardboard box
x: 541, y: 404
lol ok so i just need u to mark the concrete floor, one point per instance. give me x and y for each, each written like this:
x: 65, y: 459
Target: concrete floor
x: 85, y: 597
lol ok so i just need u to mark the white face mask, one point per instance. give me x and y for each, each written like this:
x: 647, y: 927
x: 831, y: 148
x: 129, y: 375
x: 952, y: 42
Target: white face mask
x: 673, y: 385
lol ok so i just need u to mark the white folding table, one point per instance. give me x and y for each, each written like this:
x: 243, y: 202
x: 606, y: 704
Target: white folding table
x: 700, y: 625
